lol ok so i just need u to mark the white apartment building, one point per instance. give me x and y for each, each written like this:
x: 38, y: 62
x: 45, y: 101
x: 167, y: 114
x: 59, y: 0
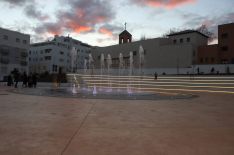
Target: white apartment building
x: 63, y: 54
x: 13, y: 52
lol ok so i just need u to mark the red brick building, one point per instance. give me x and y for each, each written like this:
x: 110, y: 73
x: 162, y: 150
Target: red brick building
x: 221, y: 53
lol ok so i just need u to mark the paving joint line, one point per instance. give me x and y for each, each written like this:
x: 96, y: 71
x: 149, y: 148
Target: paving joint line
x: 78, y: 130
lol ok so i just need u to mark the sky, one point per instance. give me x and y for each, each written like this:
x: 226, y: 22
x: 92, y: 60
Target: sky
x: 99, y: 22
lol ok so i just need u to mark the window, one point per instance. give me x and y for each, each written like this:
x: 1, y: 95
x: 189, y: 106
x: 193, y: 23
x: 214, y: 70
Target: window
x: 17, y: 40
x: 188, y: 39
x: 232, y: 60
x: 61, y: 52
x: 174, y: 41
x: 224, y: 61
x: 5, y: 37
x: 29, y: 52
x: 47, y: 57
x: 55, y: 68
x: 206, y: 59
x: 29, y: 59
x: 224, y: 48
x: 201, y: 60
x: 48, y: 50
x: 134, y: 53
x: 24, y: 41
x: 61, y: 60
x: 224, y: 35
x: 212, y: 60
x: 23, y: 63
x: 41, y: 51
x: 181, y: 40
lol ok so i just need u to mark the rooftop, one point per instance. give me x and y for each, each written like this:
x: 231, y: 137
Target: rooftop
x: 186, y: 32
x: 12, y: 31
x: 125, y: 32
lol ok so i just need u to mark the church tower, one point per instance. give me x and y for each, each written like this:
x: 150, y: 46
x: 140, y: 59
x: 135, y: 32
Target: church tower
x: 125, y: 37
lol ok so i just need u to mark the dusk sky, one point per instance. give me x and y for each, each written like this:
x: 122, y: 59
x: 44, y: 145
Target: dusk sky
x: 98, y: 22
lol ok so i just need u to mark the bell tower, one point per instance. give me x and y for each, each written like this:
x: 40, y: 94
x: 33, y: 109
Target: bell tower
x: 125, y: 36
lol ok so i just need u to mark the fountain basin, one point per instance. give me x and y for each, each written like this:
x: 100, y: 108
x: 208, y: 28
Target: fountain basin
x: 115, y: 94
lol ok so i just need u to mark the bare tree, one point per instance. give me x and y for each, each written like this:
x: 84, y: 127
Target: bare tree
x: 204, y: 30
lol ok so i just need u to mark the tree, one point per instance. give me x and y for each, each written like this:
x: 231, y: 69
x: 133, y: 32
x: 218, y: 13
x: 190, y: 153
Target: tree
x: 203, y: 29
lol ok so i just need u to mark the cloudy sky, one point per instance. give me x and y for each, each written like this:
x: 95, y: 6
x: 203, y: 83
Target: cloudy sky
x: 98, y: 22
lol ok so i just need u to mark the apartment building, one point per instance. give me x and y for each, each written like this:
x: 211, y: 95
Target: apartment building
x: 14, y: 48
x: 61, y: 54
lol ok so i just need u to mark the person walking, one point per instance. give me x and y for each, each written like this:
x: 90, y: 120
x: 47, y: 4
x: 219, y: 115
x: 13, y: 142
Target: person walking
x: 30, y: 81
x: 9, y: 80
x: 34, y: 80
x: 155, y: 75
x: 25, y: 80
x: 16, y: 77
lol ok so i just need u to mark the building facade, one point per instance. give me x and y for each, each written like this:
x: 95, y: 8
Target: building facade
x: 178, y: 50
x: 14, y: 48
x: 62, y: 54
x: 221, y: 53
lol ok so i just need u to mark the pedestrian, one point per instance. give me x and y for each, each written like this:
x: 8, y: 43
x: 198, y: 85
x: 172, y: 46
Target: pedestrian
x: 9, y: 80
x: 227, y: 70
x: 155, y: 75
x: 25, y: 80
x: 30, y: 81
x: 212, y: 70
x: 34, y: 80
x: 16, y: 77
x: 198, y: 70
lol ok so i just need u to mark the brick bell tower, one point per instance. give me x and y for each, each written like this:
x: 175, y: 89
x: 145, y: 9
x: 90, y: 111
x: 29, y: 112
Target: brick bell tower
x: 125, y: 36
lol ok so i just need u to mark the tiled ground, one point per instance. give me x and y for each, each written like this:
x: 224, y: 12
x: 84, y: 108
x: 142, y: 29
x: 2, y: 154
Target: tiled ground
x: 48, y: 125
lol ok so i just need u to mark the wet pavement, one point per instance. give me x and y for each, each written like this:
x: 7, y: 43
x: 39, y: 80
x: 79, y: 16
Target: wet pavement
x: 40, y: 125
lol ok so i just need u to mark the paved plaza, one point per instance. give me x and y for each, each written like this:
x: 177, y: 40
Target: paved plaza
x: 42, y: 125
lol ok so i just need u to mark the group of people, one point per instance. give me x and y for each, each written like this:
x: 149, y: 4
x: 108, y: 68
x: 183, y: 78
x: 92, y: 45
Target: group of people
x: 28, y: 80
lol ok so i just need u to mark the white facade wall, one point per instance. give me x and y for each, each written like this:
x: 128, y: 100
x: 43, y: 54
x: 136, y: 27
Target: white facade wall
x: 195, y: 39
x: 13, y: 51
x: 159, y: 52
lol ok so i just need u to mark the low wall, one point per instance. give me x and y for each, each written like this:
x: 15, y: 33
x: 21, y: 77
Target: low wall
x: 203, y: 69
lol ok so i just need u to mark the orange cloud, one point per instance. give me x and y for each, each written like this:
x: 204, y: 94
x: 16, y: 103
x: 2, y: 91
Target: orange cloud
x: 83, y: 16
x: 105, y: 31
x: 78, y: 28
x: 169, y: 4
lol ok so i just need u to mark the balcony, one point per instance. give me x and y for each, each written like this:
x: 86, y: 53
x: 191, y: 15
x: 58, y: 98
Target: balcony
x: 23, y: 54
x: 23, y: 63
x: 4, y: 52
x: 4, y: 61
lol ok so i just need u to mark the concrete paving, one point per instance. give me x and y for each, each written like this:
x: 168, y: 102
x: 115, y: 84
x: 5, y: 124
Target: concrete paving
x: 38, y: 125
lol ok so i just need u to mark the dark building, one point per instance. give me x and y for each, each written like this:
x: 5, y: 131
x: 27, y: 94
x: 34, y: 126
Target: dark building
x: 125, y: 37
x: 221, y: 53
